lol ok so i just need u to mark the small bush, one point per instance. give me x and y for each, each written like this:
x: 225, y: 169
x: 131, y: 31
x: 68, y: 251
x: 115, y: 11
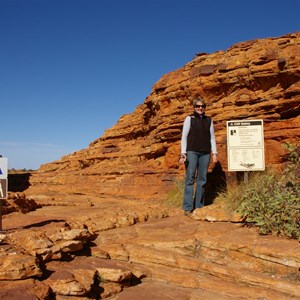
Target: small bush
x: 272, y: 204
x: 270, y: 200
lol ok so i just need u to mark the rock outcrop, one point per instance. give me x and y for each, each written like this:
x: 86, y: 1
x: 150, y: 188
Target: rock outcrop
x: 138, y: 157
x: 18, y: 202
x: 86, y: 236
x: 140, y: 250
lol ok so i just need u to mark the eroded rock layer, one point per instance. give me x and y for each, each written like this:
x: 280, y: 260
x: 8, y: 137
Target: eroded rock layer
x: 138, y: 157
x: 85, y: 247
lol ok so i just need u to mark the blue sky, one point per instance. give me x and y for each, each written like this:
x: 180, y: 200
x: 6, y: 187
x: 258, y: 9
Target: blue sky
x: 69, y: 69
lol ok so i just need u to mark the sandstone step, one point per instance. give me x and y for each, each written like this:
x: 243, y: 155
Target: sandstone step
x: 193, y: 254
x: 173, y: 257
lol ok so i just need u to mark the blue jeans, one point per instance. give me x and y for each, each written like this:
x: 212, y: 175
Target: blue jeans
x: 198, y: 161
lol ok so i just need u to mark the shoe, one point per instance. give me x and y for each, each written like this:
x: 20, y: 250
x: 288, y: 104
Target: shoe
x: 187, y: 213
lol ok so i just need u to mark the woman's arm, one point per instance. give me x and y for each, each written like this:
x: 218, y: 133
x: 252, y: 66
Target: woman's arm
x: 185, y: 132
x: 213, y: 142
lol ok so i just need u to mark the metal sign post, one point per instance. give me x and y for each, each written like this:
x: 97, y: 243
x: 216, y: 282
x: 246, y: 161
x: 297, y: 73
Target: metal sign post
x: 3, y: 184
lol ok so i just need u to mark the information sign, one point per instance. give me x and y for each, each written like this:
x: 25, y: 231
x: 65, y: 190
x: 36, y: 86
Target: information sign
x: 245, y: 145
x: 3, y: 167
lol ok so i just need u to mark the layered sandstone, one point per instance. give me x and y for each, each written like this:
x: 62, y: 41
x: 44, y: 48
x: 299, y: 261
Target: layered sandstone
x: 138, y: 157
x: 101, y: 249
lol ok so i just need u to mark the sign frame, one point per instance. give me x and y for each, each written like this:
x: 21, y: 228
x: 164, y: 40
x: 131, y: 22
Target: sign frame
x: 245, y: 145
x: 3, y: 189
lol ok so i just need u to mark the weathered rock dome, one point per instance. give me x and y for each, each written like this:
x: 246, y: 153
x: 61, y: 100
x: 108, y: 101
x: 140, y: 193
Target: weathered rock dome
x: 138, y: 157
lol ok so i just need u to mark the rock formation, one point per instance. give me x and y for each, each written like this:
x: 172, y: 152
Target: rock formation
x: 83, y: 234
x: 131, y: 249
x: 18, y: 202
x: 138, y: 157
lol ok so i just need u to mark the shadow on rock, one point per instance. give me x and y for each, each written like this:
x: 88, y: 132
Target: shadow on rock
x: 216, y: 182
x: 43, y: 223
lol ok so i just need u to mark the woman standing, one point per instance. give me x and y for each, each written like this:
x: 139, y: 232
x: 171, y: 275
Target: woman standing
x: 197, y: 143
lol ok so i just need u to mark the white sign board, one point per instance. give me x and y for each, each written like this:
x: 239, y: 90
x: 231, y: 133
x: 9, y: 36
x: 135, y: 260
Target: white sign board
x: 3, y: 168
x: 245, y: 145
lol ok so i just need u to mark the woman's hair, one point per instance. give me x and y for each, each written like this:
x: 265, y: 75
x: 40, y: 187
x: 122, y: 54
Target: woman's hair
x: 199, y: 99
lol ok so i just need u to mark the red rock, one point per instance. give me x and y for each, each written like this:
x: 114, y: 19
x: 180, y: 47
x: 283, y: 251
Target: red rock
x: 102, y: 205
x: 138, y: 157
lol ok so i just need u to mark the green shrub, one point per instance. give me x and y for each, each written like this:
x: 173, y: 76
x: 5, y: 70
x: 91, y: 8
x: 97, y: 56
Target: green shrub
x: 270, y: 200
x: 272, y: 204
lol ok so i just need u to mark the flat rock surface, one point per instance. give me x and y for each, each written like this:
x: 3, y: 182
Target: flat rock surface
x: 143, y: 250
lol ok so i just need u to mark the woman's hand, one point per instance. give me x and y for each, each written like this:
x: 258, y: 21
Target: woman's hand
x: 182, y: 159
x: 215, y: 158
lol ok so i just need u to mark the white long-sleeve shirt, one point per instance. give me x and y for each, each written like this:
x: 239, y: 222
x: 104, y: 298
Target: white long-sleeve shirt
x: 185, y: 132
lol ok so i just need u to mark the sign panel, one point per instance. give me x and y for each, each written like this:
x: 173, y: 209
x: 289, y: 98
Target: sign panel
x: 245, y: 145
x: 3, y: 167
x: 3, y: 188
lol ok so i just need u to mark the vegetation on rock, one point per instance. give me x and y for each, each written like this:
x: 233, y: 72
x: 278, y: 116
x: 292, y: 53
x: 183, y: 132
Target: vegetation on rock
x: 269, y: 200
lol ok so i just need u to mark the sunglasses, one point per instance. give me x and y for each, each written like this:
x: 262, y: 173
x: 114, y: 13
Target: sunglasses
x: 198, y: 106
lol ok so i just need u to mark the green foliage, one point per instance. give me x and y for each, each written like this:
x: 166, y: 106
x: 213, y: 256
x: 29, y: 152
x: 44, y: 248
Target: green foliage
x: 270, y: 200
x: 272, y: 204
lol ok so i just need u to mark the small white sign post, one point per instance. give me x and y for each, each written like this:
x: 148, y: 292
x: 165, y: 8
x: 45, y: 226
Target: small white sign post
x: 245, y: 146
x: 3, y: 184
